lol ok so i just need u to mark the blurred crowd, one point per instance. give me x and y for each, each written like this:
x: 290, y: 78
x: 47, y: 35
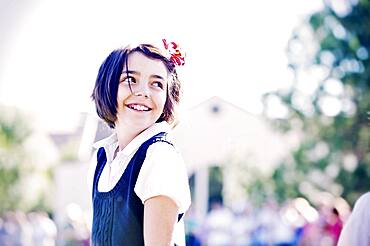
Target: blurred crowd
x: 295, y: 222
x: 38, y: 229
x: 35, y: 228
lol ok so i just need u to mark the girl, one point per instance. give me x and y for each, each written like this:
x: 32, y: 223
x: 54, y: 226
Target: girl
x: 139, y: 182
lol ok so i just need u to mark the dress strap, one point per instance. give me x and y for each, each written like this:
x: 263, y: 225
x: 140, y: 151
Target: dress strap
x: 160, y: 137
x: 101, y: 159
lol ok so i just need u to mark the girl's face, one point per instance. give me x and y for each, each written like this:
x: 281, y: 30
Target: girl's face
x: 141, y: 107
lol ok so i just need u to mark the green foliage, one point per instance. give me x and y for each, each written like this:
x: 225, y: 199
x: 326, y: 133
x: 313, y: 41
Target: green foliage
x: 9, y: 196
x: 13, y: 160
x: 334, y: 153
x: 13, y: 132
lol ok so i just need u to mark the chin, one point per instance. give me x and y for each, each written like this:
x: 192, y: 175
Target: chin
x: 143, y: 126
x: 138, y: 123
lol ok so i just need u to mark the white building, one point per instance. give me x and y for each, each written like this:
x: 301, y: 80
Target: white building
x: 217, y: 133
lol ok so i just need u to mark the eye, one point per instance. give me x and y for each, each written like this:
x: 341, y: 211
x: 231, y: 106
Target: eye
x: 129, y: 79
x: 158, y: 84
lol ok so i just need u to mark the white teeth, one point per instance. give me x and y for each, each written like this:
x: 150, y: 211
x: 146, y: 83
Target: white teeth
x: 139, y: 107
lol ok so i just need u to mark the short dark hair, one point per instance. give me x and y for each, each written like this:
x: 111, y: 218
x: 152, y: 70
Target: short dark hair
x: 106, y: 86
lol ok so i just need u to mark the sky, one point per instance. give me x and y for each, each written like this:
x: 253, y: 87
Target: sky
x: 235, y: 49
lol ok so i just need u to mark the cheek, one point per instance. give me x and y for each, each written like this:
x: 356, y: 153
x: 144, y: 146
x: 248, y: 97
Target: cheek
x: 122, y: 94
x: 119, y: 100
x: 163, y: 99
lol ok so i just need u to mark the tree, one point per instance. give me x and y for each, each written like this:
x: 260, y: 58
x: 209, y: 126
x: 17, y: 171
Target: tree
x: 13, y: 132
x: 328, y: 104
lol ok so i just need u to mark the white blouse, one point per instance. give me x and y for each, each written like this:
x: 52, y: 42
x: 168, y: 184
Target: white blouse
x: 163, y: 171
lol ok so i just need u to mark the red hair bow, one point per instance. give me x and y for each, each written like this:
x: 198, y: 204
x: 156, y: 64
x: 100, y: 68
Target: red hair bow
x: 176, y: 56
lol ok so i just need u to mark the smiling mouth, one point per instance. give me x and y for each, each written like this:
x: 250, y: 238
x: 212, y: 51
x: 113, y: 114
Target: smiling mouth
x: 138, y: 107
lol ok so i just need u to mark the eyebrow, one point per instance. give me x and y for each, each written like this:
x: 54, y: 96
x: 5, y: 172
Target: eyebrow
x: 138, y: 73
x: 129, y: 71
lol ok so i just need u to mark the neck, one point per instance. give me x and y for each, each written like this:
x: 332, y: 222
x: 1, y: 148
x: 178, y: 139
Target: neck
x: 126, y: 134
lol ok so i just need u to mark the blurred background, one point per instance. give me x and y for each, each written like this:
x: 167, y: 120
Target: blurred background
x: 274, y: 122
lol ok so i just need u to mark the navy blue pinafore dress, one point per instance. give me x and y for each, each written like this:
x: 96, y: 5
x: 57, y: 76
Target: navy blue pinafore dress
x: 118, y: 214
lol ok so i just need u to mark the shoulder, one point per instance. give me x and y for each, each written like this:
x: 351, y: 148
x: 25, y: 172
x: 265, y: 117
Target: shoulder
x: 163, y: 151
x: 93, y: 159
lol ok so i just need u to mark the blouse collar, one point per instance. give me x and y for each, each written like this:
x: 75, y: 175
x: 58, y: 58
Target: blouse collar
x: 110, y: 143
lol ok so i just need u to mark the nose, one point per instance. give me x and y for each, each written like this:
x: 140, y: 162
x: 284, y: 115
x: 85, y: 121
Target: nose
x: 142, y: 91
x: 141, y: 94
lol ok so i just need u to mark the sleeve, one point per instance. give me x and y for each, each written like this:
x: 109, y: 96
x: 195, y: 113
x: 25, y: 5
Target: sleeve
x: 164, y: 173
